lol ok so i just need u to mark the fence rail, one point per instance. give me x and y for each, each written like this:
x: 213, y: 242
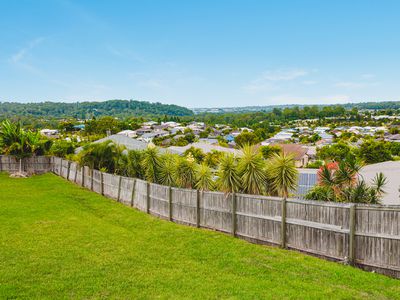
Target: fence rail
x: 367, y: 236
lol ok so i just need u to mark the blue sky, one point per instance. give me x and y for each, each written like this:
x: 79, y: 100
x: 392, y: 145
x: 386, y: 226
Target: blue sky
x: 200, y: 53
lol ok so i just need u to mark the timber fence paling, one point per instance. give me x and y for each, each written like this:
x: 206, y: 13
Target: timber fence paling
x: 367, y: 236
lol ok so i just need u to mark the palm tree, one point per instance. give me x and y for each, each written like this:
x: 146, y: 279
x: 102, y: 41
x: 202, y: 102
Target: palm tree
x: 151, y: 164
x: 204, y: 178
x: 185, y: 175
x: 168, y: 169
x: 134, y: 164
x: 17, y: 142
x: 378, y: 183
x: 283, y: 173
x: 251, y: 168
x: 228, y: 178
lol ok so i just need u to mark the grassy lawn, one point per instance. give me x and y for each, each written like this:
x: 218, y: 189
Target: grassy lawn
x: 60, y: 241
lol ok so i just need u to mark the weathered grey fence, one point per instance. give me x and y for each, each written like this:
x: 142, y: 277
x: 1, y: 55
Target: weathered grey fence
x: 363, y: 235
x: 35, y: 164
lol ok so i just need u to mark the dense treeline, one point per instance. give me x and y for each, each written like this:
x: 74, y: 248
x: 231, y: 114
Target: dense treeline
x: 82, y: 110
x: 276, y: 116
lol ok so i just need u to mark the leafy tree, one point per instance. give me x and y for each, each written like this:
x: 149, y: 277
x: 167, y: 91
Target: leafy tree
x: 197, y: 154
x: 62, y: 148
x: 336, y: 152
x: 246, y: 138
x: 374, y: 151
x: 268, y: 151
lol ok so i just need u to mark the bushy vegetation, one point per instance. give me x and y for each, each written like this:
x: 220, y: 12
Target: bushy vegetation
x: 340, y: 182
x: 248, y: 173
x: 82, y: 110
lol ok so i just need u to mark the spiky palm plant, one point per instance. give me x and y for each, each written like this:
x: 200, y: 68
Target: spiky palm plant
x: 204, y: 178
x: 17, y: 142
x: 228, y: 178
x: 378, y: 183
x: 251, y: 168
x: 185, y: 175
x: 168, y: 169
x: 134, y: 164
x: 283, y: 173
x: 151, y: 164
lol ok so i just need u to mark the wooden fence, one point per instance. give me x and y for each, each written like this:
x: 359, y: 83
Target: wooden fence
x: 36, y: 164
x: 367, y: 236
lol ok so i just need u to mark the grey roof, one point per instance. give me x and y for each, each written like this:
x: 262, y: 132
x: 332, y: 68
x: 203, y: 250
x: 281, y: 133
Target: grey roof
x: 205, y: 147
x: 391, y: 169
x: 129, y: 143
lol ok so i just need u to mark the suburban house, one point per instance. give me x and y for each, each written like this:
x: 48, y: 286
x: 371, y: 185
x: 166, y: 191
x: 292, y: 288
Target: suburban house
x: 299, y: 152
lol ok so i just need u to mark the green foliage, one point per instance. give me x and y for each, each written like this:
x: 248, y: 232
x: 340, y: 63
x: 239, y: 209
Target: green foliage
x: 151, y: 163
x: 340, y: 183
x: 134, y: 166
x: 82, y: 110
x: 247, y: 138
x: 204, y: 178
x: 375, y: 151
x: 62, y: 148
x: 228, y: 177
x: 168, y: 173
x: 107, y: 156
x: 186, y: 172
x: 268, y: 151
x: 282, y: 173
x: 20, y: 143
x: 336, y: 152
x: 251, y: 168
x: 196, y: 153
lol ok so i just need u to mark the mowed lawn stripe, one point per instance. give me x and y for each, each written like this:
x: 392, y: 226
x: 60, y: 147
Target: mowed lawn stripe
x: 61, y: 241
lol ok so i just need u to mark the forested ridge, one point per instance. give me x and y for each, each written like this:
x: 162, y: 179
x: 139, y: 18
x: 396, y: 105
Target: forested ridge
x: 118, y: 108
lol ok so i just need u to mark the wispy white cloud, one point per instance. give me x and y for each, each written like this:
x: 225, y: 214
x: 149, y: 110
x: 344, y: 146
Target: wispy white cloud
x: 20, y: 57
x: 270, y: 79
x: 125, y: 54
x: 355, y: 84
x: 309, y: 82
x: 23, y: 52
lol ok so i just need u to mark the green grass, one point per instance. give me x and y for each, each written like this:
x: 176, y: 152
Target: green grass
x: 60, y: 241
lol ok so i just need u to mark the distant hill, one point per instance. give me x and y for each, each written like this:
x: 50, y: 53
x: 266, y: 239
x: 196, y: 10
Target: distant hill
x: 118, y: 108
x: 267, y: 108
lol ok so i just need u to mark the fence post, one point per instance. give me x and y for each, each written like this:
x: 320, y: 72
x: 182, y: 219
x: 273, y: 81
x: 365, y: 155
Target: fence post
x: 170, y: 203
x: 352, y: 233
x: 133, y: 192
x: 234, y: 214
x: 148, y: 197
x: 91, y: 180
x: 83, y: 176
x: 119, y: 188
x: 76, y: 172
x: 68, y: 169
x: 101, y: 183
x: 283, y: 223
x: 198, y: 208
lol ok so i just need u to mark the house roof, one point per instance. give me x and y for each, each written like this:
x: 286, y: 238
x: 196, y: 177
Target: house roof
x: 129, y: 143
x: 297, y: 150
x: 205, y: 147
